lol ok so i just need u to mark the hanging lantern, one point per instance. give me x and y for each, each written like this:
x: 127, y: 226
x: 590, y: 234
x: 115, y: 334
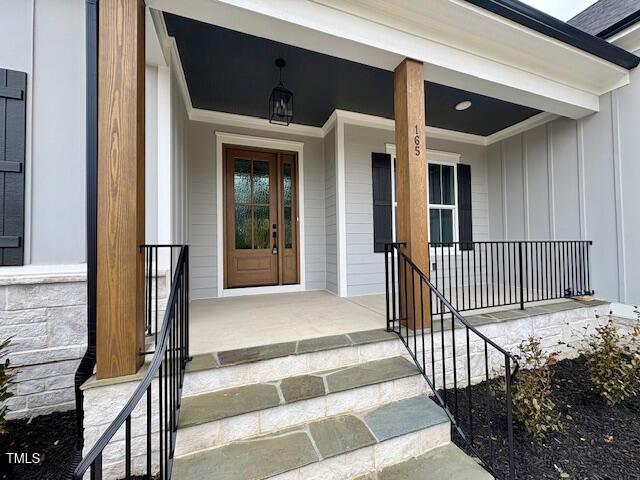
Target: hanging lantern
x: 280, y: 101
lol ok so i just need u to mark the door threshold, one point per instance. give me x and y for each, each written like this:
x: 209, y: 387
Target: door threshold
x: 242, y: 291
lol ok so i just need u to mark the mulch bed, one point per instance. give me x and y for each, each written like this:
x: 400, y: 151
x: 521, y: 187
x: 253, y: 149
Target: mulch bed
x: 597, y: 443
x: 52, y: 437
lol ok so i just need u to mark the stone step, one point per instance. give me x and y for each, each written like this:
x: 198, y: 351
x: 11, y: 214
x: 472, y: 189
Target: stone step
x: 222, y: 416
x: 447, y: 462
x: 339, y: 447
x: 214, y: 371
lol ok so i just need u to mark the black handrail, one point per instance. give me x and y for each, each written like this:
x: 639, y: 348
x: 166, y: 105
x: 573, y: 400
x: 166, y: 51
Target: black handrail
x: 411, y: 315
x: 168, y: 367
x: 476, y: 275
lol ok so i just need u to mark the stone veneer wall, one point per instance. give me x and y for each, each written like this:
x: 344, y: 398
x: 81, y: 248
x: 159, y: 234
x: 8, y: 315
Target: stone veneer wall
x: 44, y: 313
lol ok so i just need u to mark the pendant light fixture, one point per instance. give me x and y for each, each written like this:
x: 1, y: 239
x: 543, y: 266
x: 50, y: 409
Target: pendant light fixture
x: 280, y: 101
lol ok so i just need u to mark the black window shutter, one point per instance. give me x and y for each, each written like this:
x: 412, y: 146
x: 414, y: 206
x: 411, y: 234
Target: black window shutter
x: 382, y: 202
x: 465, y: 226
x: 13, y: 87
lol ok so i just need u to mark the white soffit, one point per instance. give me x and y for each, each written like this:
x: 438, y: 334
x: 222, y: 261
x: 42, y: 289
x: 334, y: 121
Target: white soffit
x: 463, y: 46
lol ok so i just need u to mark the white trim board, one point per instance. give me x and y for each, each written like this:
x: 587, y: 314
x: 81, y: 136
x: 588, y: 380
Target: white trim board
x: 260, y: 142
x: 365, y: 120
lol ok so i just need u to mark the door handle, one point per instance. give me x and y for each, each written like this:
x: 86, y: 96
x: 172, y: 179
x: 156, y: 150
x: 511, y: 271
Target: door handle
x: 274, y: 250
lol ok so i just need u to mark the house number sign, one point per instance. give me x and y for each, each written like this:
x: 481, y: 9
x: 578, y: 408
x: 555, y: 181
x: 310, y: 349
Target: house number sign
x: 416, y: 141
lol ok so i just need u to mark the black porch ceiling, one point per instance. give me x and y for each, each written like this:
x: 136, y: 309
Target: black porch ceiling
x: 232, y: 72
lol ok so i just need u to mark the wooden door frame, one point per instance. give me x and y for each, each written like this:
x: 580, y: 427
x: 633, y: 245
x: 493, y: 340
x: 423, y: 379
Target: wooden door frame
x: 245, y: 141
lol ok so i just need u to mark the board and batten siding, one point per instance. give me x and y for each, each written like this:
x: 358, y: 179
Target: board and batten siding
x: 572, y: 180
x: 201, y: 153
x: 365, y: 269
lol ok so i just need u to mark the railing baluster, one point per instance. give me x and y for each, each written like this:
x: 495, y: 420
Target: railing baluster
x: 127, y: 448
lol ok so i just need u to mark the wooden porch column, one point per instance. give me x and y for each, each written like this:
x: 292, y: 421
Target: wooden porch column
x: 411, y: 177
x: 120, y: 263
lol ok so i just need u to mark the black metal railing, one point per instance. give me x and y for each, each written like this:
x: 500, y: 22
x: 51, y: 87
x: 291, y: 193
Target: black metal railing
x: 150, y: 416
x: 160, y: 263
x: 475, y: 275
x: 453, y: 356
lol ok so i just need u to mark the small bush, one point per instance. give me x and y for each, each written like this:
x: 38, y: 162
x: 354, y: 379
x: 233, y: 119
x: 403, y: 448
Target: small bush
x: 613, y: 363
x: 6, y: 379
x: 532, y: 404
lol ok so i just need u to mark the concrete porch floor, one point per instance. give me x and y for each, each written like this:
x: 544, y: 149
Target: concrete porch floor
x: 238, y: 322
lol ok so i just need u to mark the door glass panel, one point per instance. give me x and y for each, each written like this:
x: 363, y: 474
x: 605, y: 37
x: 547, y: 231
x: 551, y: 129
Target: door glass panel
x: 288, y: 228
x: 243, y: 227
x: 241, y: 180
x: 260, y: 182
x: 261, y: 224
x: 287, y: 183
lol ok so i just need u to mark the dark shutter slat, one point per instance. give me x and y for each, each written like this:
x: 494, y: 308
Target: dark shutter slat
x: 382, y: 201
x: 12, y: 146
x: 10, y: 167
x: 13, y: 93
x: 465, y: 222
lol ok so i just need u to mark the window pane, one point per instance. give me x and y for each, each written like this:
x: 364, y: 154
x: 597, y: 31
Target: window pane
x: 241, y: 180
x: 435, y: 192
x: 288, y: 228
x: 261, y: 225
x: 288, y: 184
x: 260, y: 182
x: 243, y: 226
x: 448, y: 190
x: 446, y: 227
x: 434, y: 225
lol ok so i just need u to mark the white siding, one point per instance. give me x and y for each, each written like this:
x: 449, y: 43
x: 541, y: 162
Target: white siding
x: 365, y: 269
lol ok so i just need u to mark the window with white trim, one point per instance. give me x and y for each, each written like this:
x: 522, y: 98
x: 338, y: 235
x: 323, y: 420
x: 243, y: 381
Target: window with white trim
x: 443, y: 221
x: 442, y: 191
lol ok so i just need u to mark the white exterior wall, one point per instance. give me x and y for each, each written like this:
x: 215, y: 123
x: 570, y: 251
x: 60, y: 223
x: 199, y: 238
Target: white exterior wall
x: 201, y: 152
x: 572, y: 180
x: 365, y: 269
x: 36, y: 32
x: 43, y: 304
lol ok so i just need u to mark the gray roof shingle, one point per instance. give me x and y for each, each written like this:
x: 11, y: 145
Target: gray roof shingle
x: 603, y: 14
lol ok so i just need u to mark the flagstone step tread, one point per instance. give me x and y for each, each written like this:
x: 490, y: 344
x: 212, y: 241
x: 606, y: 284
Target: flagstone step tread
x: 206, y: 361
x: 443, y: 463
x: 219, y: 404
x: 261, y: 457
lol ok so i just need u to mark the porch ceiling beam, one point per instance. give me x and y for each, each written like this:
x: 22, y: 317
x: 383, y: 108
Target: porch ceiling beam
x: 524, y: 67
x: 411, y: 178
x: 121, y: 215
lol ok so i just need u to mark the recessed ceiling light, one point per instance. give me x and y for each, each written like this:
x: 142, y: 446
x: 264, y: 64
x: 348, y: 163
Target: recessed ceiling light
x: 463, y: 105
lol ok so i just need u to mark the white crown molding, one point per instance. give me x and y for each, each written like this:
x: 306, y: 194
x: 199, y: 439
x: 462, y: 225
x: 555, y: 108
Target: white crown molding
x: 234, y: 120
x: 528, y: 124
x: 363, y: 120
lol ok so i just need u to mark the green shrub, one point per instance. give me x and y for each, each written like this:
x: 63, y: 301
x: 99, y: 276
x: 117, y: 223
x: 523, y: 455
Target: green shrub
x: 613, y: 362
x: 532, y: 404
x: 6, y: 379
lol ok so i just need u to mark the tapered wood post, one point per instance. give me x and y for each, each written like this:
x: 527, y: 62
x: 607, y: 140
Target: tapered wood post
x: 120, y: 263
x: 411, y: 188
